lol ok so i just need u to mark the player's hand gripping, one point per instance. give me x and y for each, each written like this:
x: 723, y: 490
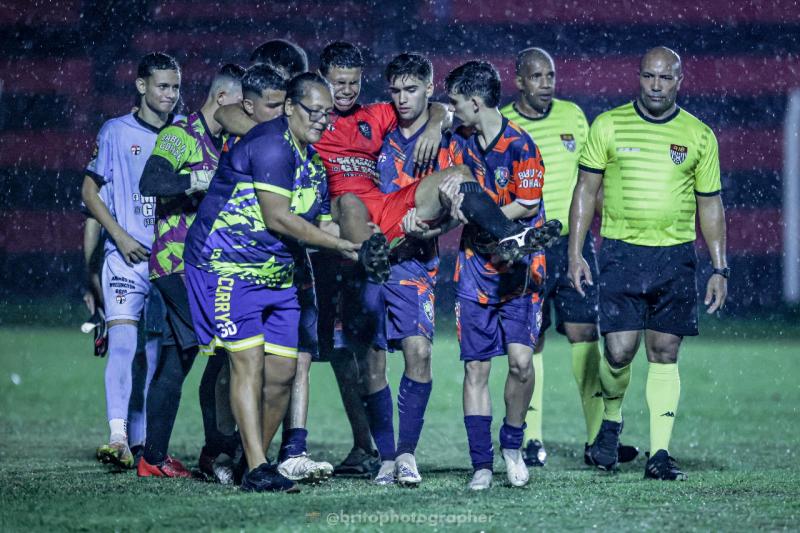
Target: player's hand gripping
x: 132, y: 252
x: 579, y: 274
x: 348, y: 249
x: 413, y: 226
x: 716, y: 293
x: 199, y: 181
x: 426, y: 149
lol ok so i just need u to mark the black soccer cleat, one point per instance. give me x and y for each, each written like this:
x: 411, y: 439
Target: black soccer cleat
x: 604, y: 453
x: 625, y: 452
x: 359, y: 464
x: 534, y: 453
x: 374, y: 257
x: 265, y: 478
x: 662, y: 466
x: 528, y: 240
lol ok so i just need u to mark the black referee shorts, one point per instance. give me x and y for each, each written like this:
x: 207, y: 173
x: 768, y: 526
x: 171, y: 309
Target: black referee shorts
x: 560, y: 296
x: 648, y: 287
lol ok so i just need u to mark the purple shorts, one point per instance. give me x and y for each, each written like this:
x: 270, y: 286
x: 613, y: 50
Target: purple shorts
x: 237, y: 315
x: 402, y: 307
x: 485, y: 330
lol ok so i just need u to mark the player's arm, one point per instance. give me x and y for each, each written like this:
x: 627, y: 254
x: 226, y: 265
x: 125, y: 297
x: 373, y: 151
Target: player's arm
x: 93, y: 295
x: 132, y: 251
x: 516, y: 211
x: 712, y: 224
x: 278, y: 218
x: 427, y: 146
x: 581, y: 213
x: 234, y: 120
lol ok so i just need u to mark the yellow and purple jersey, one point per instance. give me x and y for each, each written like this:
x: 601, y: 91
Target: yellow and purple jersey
x: 186, y: 146
x: 510, y: 169
x: 229, y: 237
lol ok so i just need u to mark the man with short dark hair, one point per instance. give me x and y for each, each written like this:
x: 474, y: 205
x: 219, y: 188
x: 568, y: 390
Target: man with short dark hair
x: 178, y: 173
x: 283, y: 55
x: 659, y: 169
x: 497, y: 305
x: 559, y: 129
x: 123, y: 146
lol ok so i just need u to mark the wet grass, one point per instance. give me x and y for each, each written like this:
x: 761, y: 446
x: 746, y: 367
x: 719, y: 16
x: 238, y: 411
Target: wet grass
x: 736, y: 436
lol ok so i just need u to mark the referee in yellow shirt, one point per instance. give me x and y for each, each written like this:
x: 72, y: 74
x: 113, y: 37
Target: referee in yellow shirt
x: 659, y: 168
x: 559, y: 129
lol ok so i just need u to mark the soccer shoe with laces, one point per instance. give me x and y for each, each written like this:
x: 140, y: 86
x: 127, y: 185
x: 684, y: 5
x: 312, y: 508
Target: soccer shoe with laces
x: 405, y: 470
x: 219, y: 469
x: 662, y: 466
x: 625, y: 452
x: 116, y: 453
x: 265, y: 478
x: 604, y: 453
x: 171, y: 467
x: 481, y: 479
x: 534, y: 453
x: 302, y: 468
x: 528, y: 240
x: 385, y: 475
x: 374, y: 257
x: 516, y: 469
x: 358, y: 463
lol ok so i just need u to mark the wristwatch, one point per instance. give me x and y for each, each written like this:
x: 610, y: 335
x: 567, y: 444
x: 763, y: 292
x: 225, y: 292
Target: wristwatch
x: 724, y: 272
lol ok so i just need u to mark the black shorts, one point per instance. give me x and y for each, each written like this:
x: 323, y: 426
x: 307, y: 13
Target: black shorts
x: 559, y: 294
x: 307, y: 338
x: 334, y: 292
x: 178, y: 330
x: 648, y: 287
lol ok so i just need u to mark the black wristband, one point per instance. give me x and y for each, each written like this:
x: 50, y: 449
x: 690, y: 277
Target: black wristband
x: 724, y: 272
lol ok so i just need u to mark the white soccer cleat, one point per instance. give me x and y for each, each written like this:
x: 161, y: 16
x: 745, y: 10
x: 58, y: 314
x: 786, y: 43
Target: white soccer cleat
x: 481, y: 479
x: 302, y: 468
x: 385, y: 474
x: 406, y: 472
x: 516, y: 469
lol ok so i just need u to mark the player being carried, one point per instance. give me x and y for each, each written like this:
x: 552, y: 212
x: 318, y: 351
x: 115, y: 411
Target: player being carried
x: 497, y: 304
x: 349, y: 149
x: 123, y: 146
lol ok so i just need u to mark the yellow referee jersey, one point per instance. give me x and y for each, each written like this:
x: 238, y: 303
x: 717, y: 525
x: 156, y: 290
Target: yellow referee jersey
x: 560, y: 136
x: 652, y: 170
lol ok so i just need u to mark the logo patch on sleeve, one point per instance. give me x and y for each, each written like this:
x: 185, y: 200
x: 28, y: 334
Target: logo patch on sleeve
x: 678, y: 153
x: 365, y: 129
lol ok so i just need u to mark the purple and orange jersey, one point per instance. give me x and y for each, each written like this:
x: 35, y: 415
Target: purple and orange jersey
x: 510, y: 169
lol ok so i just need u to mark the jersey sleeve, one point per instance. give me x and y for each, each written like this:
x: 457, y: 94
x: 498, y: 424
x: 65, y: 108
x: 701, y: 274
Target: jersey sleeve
x: 582, y: 127
x: 272, y: 165
x: 385, y: 117
x: 175, y: 145
x: 324, y: 206
x: 707, y: 175
x: 528, y: 175
x: 594, y: 157
x: 100, y: 166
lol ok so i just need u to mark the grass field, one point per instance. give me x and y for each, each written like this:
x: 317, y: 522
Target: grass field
x: 736, y: 436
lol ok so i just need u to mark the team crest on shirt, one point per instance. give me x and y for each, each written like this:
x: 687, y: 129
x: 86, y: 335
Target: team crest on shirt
x: 501, y: 176
x: 136, y: 149
x: 428, y: 308
x: 678, y: 153
x: 365, y: 130
x: 569, y: 141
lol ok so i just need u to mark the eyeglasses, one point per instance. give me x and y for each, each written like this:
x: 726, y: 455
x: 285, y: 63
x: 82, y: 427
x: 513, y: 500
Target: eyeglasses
x: 316, y: 115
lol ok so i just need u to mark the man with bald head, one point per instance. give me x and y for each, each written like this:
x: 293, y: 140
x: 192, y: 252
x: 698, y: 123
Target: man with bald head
x: 659, y: 168
x: 560, y: 129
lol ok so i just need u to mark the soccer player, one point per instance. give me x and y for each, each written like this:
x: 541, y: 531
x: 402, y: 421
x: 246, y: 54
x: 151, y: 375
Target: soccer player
x: 559, y: 128
x: 240, y: 268
x: 123, y: 146
x: 406, y: 300
x: 498, y: 306
x: 659, y: 167
x: 283, y: 55
x: 178, y: 173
